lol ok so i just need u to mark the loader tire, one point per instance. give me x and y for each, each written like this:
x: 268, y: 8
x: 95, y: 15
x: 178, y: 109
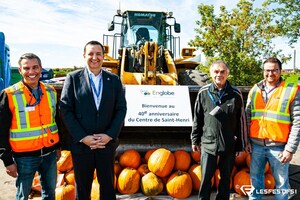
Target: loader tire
x: 193, y: 77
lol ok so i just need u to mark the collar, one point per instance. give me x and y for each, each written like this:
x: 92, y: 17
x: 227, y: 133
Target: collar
x: 92, y: 75
x: 262, y: 84
x: 29, y: 88
x: 277, y: 84
x: 214, y: 87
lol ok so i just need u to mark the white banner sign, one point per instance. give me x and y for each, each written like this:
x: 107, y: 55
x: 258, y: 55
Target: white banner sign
x: 149, y: 105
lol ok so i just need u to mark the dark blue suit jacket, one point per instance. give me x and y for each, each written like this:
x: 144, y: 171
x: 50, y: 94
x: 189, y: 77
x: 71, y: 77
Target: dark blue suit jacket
x: 80, y: 115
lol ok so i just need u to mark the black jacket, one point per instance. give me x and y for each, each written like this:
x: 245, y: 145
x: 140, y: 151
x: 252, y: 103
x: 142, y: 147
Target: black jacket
x: 80, y: 115
x: 223, y: 132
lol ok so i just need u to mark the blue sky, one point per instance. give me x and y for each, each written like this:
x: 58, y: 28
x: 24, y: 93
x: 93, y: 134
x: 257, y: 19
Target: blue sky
x: 57, y: 30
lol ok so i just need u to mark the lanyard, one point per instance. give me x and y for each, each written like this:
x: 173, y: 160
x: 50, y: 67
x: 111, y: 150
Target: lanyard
x: 97, y: 92
x: 38, y: 98
x: 268, y: 92
x: 219, y: 100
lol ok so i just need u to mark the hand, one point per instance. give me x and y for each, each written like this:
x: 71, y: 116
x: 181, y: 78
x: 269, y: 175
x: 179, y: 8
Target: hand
x: 96, y: 141
x: 248, y: 148
x: 103, y: 139
x: 196, y: 147
x: 93, y: 142
x: 285, y: 156
x: 12, y: 170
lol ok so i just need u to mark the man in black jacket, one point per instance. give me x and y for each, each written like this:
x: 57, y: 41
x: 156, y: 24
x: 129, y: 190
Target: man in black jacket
x: 218, y: 129
x: 93, y: 108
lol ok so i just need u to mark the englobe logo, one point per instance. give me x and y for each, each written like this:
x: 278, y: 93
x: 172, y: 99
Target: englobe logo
x: 157, y: 93
x: 247, y: 189
x: 145, y: 92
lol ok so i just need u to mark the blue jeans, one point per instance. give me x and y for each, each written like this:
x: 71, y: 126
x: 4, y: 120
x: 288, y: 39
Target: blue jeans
x: 47, y: 170
x: 260, y: 155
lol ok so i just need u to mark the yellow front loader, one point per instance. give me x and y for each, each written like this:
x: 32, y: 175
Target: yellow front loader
x: 144, y: 51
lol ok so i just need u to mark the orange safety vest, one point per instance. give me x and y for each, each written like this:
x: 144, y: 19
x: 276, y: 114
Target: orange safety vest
x: 32, y: 127
x: 272, y: 120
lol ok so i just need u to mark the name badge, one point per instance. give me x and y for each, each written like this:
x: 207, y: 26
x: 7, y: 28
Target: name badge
x: 215, y: 111
x: 29, y: 109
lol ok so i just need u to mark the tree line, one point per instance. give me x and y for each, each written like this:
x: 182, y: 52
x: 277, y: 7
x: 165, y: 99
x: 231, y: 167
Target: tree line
x: 244, y: 36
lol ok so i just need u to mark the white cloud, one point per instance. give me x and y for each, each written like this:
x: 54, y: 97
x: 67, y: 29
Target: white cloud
x: 57, y: 30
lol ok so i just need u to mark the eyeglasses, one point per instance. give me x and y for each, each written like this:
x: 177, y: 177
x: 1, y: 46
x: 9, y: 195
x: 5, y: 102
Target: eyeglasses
x: 273, y: 71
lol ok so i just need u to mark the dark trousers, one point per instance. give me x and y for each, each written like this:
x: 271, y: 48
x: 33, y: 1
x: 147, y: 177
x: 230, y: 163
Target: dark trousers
x: 209, y: 164
x: 84, y: 166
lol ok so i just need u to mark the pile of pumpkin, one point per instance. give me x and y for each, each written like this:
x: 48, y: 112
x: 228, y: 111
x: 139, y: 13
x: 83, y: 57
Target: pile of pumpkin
x: 178, y: 173
x: 157, y: 171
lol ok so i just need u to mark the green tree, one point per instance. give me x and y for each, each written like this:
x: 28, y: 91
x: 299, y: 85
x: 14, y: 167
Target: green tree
x: 241, y: 37
x: 287, y: 18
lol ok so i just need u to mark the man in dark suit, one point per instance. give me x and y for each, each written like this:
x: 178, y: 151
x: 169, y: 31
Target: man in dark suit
x: 93, y: 108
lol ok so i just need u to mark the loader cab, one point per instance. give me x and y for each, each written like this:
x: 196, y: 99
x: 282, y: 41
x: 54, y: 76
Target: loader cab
x: 140, y: 26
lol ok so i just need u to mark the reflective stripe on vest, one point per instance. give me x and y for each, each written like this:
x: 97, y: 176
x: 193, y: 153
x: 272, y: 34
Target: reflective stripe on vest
x: 51, y: 98
x: 24, y: 131
x: 272, y: 116
x: 20, y: 103
x: 31, y: 133
x: 289, y: 90
x: 282, y: 114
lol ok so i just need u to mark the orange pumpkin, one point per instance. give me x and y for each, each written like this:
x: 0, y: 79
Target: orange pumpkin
x: 269, y: 181
x: 161, y: 162
x: 179, y: 185
x: 115, y: 181
x: 143, y: 169
x: 267, y: 167
x: 151, y: 184
x: 241, y: 179
x: 65, y: 162
x: 269, y: 170
x: 196, y: 176
x: 182, y: 160
x: 148, y: 154
x: 95, y: 193
x: 130, y: 158
x: 117, y: 168
x: 196, y: 155
x: 95, y: 174
x: 217, y: 178
x: 70, y: 177
x: 65, y: 192
x: 240, y: 159
x: 195, y: 173
x: 128, y: 181
x: 36, y: 184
